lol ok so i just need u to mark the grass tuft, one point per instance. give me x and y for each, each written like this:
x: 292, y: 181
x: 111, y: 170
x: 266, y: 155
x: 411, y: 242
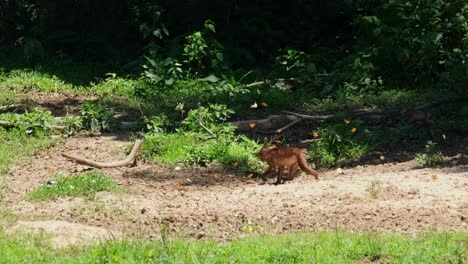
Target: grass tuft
x: 86, y: 184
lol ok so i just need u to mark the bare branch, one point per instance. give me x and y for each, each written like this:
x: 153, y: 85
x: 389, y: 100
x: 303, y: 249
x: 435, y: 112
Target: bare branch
x: 200, y: 122
x: 288, y: 126
x: 130, y: 160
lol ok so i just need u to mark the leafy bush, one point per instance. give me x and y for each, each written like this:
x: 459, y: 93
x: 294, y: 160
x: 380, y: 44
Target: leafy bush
x: 431, y: 157
x: 193, y: 144
x: 87, y: 185
x: 338, y: 142
x: 96, y: 117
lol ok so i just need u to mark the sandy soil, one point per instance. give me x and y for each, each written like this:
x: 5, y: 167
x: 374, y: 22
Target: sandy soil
x: 211, y: 203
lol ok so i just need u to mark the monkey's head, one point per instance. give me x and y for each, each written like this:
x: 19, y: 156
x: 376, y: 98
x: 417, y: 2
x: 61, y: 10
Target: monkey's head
x: 265, y: 151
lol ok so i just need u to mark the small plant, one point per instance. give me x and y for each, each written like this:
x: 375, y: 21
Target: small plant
x: 87, y: 185
x: 73, y: 124
x: 96, y: 117
x: 167, y: 70
x: 374, y: 188
x: 338, y: 142
x: 431, y: 157
x: 211, y: 117
x: 157, y: 124
x: 203, y: 52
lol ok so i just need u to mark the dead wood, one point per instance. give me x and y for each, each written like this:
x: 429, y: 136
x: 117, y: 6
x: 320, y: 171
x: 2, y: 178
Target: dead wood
x: 7, y: 108
x: 276, y: 124
x: 130, y: 160
x: 6, y: 124
x: 200, y: 122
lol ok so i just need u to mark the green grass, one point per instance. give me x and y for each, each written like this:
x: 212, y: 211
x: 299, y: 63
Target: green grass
x: 188, y: 149
x: 322, y: 247
x: 32, y: 81
x: 86, y: 184
x: 10, y: 97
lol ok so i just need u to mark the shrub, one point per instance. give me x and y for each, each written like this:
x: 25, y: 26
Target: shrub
x: 193, y: 144
x: 96, y: 117
x: 338, y: 142
x: 431, y: 157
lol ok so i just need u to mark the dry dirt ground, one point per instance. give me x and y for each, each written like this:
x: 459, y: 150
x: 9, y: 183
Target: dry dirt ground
x: 210, y: 203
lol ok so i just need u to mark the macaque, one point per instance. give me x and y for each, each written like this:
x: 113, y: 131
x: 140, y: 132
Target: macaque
x: 278, y: 158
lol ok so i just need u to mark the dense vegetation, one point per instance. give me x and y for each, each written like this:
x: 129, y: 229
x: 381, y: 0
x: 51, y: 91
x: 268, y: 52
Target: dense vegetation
x: 197, y: 57
x: 183, y: 71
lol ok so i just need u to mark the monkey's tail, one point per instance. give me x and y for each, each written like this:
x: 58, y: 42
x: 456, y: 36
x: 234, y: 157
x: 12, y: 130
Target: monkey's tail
x: 305, y: 167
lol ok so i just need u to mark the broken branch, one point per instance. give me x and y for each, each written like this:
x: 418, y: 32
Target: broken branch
x: 130, y: 160
x: 6, y: 108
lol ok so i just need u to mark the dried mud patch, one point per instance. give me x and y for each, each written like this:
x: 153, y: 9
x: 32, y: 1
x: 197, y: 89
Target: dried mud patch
x: 212, y: 203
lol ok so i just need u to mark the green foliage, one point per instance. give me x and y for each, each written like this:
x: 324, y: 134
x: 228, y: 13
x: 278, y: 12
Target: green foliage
x: 34, y: 123
x: 321, y: 247
x: 167, y: 70
x: 212, y: 117
x: 339, y: 142
x: 86, y: 184
x: 193, y: 144
x: 96, y: 117
x: 358, y: 77
x: 9, y: 97
x: 433, y: 37
x: 186, y: 92
x: 431, y: 157
x: 189, y: 149
x: 113, y: 85
x: 299, y: 66
x: 157, y: 124
x: 203, y: 53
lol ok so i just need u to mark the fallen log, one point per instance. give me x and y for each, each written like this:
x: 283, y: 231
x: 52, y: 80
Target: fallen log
x: 130, y: 160
x: 7, y: 108
x: 275, y: 124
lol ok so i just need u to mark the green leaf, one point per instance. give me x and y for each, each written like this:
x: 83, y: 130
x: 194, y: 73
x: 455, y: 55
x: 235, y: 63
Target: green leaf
x: 210, y: 78
x: 157, y: 33
x: 209, y: 25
